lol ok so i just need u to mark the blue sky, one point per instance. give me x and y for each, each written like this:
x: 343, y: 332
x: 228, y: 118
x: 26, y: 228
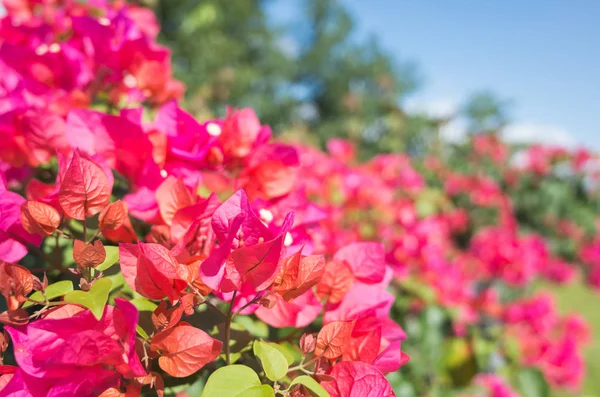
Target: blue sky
x: 543, y: 54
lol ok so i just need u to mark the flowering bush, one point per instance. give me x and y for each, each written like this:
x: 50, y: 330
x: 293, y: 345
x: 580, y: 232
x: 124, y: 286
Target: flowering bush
x: 466, y: 258
x: 160, y: 254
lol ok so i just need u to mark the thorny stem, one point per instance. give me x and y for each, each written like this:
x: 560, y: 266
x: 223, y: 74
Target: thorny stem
x: 302, y: 365
x: 250, y: 302
x: 228, y: 329
x: 96, y: 234
x: 46, y: 306
x: 214, y: 308
x: 146, y: 358
x: 85, y: 229
x: 206, y: 301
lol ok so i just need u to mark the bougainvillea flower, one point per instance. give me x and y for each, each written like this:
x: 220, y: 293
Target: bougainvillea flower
x: 357, y: 379
x: 337, y: 280
x: 248, y: 251
x: 120, y: 142
x: 191, y: 229
x: 251, y: 230
x: 377, y: 341
x: 142, y: 201
x: 74, y: 354
x: 189, y: 142
x: 362, y: 300
x: 13, y: 237
x: 270, y: 171
x: 298, y: 274
x: 31, y: 136
x: 85, y: 189
x: 152, y: 271
x: 495, y: 385
x: 298, y: 313
x: 367, y: 261
x: 241, y: 131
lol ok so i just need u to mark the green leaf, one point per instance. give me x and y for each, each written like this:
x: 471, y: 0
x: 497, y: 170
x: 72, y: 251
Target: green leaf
x: 290, y: 351
x: 260, y: 391
x: 112, y: 257
x: 273, y: 361
x: 311, y: 385
x: 95, y: 299
x: 256, y: 328
x: 202, y: 16
x: 141, y: 332
x: 143, y: 304
x: 236, y: 381
x: 118, y: 282
x: 459, y: 361
x: 53, y: 291
x: 532, y: 383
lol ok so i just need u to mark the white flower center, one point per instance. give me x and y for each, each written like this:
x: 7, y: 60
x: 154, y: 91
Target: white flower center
x: 129, y: 81
x: 213, y: 129
x: 265, y: 215
x: 288, y: 239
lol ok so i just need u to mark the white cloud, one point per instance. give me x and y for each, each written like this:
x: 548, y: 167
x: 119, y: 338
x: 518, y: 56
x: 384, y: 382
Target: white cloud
x: 438, y: 108
x: 454, y: 131
x: 538, y: 133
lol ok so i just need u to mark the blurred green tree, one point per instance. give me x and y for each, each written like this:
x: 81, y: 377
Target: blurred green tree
x: 311, y: 79
x: 227, y: 54
x: 486, y: 112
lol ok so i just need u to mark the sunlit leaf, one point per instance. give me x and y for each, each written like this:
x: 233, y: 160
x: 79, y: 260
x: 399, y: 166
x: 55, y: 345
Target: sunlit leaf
x: 311, y: 385
x: 112, y: 257
x: 94, y: 299
x: 185, y: 349
x: 273, y: 361
x: 53, y: 291
x: 236, y: 381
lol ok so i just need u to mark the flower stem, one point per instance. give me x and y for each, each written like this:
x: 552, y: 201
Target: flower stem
x: 228, y: 329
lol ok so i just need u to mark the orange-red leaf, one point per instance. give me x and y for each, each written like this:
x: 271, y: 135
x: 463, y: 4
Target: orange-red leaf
x: 39, y: 218
x: 88, y: 255
x: 333, y: 339
x: 164, y: 318
x: 189, y: 302
x: 336, y: 281
x: 16, y: 282
x: 113, y: 216
x: 257, y: 264
x: 307, y: 343
x: 364, y: 348
x: 193, y: 265
x: 152, y: 271
x: 154, y: 380
x: 85, y: 190
x: 3, y: 342
x: 130, y: 391
x: 185, y: 349
x: 171, y: 196
x: 123, y: 234
x: 288, y: 273
x: 301, y: 275
x: 14, y: 317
